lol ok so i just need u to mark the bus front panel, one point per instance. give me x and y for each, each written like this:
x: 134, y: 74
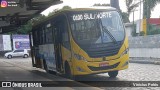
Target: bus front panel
x: 98, y: 41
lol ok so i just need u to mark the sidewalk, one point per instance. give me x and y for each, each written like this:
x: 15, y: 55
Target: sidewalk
x: 145, y: 60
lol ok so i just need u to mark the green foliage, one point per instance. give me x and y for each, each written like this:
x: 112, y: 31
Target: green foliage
x: 134, y: 31
x: 66, y: 8
x: 125, y: 17
x: 131, y: 6
x: 142, y: 33
x: 53, y: 12
x: 25, y: 28
x: 42, y: 17
x: 153, y: 30
x: 56, y: 10
x: 37, y: 19
x: 148, y: 6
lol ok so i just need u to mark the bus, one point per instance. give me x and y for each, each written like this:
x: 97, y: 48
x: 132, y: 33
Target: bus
x: 81, y: 41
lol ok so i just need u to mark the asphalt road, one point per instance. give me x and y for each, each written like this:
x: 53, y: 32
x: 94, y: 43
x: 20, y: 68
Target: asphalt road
x: 20, y: 69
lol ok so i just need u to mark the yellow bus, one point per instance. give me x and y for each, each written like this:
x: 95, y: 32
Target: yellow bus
x: 80, y: 42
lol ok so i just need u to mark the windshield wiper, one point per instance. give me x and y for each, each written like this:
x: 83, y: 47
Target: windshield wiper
x: 104, y: 29
x: 108, y: 32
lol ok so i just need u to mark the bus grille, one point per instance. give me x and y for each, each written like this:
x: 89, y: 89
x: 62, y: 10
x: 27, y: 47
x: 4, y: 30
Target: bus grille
x: 103, y: 50
x: 103, y: 68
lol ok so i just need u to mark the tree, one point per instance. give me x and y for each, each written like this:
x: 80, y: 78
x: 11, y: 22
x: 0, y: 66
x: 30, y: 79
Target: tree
x: 53, y: 12
x: 57, y: 10
x: 25, y: 29
x: 66, y: 8
x: 131, y: 6
x: 115, y: 4
x: 37, y: 19
x: 148, y: 6
x: 125, y: 17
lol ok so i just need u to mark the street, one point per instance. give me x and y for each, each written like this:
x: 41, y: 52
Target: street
x: 20, y: 69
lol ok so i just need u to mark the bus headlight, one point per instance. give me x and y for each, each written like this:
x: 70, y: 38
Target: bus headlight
x: 79, y: 57
x: 125, y: 52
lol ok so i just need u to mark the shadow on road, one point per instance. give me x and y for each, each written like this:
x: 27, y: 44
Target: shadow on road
x: 96, y: 78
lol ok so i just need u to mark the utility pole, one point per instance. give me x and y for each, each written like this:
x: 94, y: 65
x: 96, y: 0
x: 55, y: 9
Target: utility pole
x: 115, y: 4
x: 133, y: 20
x: 140, y: 17
x: 134, y: 31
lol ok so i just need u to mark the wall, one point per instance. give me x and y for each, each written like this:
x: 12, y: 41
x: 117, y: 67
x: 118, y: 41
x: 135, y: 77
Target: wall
x: 145, y: 46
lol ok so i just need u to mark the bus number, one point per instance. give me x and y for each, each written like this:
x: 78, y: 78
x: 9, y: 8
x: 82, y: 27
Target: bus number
x: 77, y: 17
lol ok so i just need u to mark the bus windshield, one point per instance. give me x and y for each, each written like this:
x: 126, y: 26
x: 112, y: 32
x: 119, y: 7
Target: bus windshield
x: 96, y: 27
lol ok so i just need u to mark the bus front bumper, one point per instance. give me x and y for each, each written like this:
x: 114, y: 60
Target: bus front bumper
x: 85, y: 68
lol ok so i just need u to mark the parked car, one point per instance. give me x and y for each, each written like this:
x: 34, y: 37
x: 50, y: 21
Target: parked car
x: 24, y: 53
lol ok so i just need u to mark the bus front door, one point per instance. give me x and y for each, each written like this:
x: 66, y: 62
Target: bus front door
x: 58, y: 54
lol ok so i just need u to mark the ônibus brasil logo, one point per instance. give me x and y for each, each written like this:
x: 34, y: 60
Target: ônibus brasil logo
x: 4, y: 3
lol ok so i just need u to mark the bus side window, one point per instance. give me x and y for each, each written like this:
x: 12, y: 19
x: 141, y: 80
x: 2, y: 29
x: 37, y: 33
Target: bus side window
x: 40, y: 37
x: 43, y: 36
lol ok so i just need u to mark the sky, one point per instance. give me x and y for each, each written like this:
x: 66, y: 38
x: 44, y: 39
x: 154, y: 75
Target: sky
x: 87, y: 3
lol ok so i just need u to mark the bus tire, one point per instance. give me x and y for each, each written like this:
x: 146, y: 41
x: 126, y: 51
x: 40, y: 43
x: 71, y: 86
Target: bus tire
x: 68, y: 71
x: 113, y: 74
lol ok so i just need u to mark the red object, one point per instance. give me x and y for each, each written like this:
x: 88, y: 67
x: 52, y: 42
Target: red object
x: 104, y: 64
x: 154, y: 21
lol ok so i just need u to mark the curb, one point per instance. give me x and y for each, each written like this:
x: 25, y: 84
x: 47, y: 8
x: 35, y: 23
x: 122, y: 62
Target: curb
x: 157, y: 62
x: 145, y: 62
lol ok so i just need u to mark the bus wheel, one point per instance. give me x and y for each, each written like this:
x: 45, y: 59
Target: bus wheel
x: 67, y: 71
x: 113, y: 74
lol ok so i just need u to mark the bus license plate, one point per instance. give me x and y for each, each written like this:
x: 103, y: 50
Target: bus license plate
x: 104, y: 64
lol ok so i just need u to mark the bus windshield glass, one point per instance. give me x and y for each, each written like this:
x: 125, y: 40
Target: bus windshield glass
x: 96, y: 27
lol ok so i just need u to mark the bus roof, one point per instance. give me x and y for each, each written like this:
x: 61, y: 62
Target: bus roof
x: 93, y: 8
x: 76, y: 9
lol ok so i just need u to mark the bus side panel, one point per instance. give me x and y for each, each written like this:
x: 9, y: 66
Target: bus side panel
x: 49, y: 56
x: 46, y: 54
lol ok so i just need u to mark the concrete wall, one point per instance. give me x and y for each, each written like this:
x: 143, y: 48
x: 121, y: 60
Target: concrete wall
x: 145, y: 52
x: 145, y: 46
x: 150, y: 41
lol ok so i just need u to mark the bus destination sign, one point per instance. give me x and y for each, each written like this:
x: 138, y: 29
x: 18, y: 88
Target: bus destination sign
x: 90, y: 16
